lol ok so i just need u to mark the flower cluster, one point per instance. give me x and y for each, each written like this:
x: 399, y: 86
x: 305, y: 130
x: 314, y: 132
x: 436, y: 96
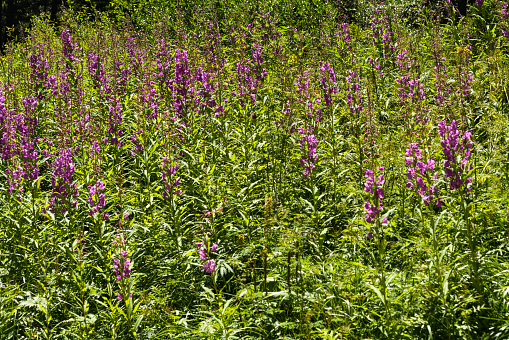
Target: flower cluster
x: 261, y: 72
x: 137, y: 140
x: 380, y: 32
x: 441, y: 76
x: 268, y: 27
x: 327, y: 82
x: 163, y: 64
x: 170, y: 183
x: 373, y: 205
x: 114, y: 121
x: 204, y: 251
x: 309, y: 144
x: 375, y: 66
x: 247, y: 85
x: 135, y: 56
x: 410, y: 88
x: 19, y: 139
x: 5, y: 126
x: 344, y: 43
x: 457, y: 151
x: 70, y: 51
x: 181, y: 83
x: 64, y: 189
x: 38, y: 66
x: 151, y: 99
x: 204, y: 90
x: 96, y: 71
x: 303, y: 83
x: 96, y: 199
x: 420, y: 171
x: 122, y: 271
x: 14, y: 180
x: 121, y: 73
x: 354, y: 98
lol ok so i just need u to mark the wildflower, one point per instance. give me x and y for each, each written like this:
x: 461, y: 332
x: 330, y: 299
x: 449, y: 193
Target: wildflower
x: 114, y: 122
x: 374, y: 204
x: 309, y: 144
x: 441, y: 76
x: 137, y: 141
x: 38, y: 66
x: 96, y: 199
x: 209, y: 266
x: 457, y: 151
x: 204, y: 252
x: 354, y: 98
x: 64, y: 189
x: 419, y: 170
x: 327, y: 82
x: 169, y: 181
x: 121, y: 267
x: 181, y: 82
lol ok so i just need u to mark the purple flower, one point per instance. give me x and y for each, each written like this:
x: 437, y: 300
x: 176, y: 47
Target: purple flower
x: 64, y: 189
x: 114, y: 122
x: 457, y: 151
x: 96, y: 200
x: 373, y: 205
x: 169, y: 178
x: 248, y: 81
x: 418, y: 170
x: 309, y: 144
x: 121, y: 268
x: 97, y: 73
x: 354, y: 98
x: 202, y: 253
x: 38, y: 66
x: 327, y: 82
x: 181, y: 83
x: 209, y: 266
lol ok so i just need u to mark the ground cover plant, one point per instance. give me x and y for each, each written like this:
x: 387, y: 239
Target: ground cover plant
x: 249, y: 172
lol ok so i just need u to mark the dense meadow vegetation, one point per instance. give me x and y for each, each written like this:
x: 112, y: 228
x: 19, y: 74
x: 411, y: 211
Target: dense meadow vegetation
x: 257, y: 170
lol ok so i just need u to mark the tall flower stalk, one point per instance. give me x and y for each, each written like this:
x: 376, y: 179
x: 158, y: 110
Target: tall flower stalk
x: 457, y: 149
x: 373, y: 206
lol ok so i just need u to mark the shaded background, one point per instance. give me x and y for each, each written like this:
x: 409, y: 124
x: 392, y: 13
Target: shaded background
x: 15, y: 14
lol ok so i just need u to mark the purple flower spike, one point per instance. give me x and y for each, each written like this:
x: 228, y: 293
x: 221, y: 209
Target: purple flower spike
x: 418, y: 173
x: 170, y: 179
x: 96, y: 200
x: 457, y: 151
x: 309, y: 144
x: 209, y: 266
x: 64, y: 189
x: 121, y: 268
x: 373, y: 206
